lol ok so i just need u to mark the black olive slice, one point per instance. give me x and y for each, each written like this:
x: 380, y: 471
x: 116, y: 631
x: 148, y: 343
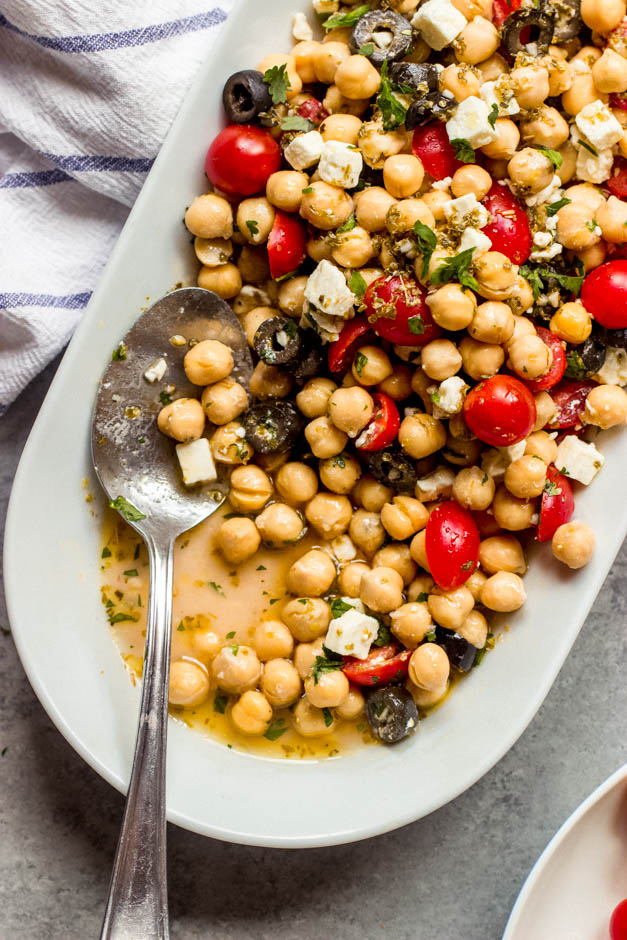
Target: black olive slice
x: 460, y: 652
x: 311, y: 356
x: 278, y: 342
x: 568, y: 23
x: 435, y: 104
x: 375, y: 25
x: 245, y: 95
x: 541, y: 23
x: 391, y: 713
x: 392, y: 468
x: 422, y: 76
x: 272, y: 426
x: 585, y: 360
x: 616, y: 338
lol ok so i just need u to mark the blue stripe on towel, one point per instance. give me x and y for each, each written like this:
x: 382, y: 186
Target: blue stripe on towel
x: 80, y: 163
x: 25, y: 180
x: 100, y: 42
x: 67, y: 301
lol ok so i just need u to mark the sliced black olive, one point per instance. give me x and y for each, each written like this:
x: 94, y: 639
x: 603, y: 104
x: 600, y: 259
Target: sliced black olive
x: 616, y: 338
x: 460, y: 652
x: 391, y: 713
x: 245, y: 95
x: 423, y: 76
x: 585, y: 360
x: 392, y: 468
x: 541, y: 23
x: 311, y: 356
x: 375, y: 25
x: 278, y: 341
x: 369, y: 177
x: 568, y: 22
x: 433, y: 105
x: 273, y: 426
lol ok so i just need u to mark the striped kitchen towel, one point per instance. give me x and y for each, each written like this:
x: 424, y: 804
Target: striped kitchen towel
x: 87, y: 94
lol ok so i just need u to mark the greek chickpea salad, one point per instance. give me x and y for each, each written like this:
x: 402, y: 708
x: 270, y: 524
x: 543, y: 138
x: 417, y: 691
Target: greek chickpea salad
x: 418, y: 215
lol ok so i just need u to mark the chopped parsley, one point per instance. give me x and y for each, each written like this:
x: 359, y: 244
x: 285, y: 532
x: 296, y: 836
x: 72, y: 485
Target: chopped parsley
x: 575, y: 368
x: 339, y: 607
x: 349, y: 224
x: 165, y: 399
x: 230, y: 635
x: 553, y: 155
x: 307, y: 189
x: 591, y: 225
x: 106, y: 552
x: 492, y: 116
x: 392, y: 110
x: 235, y: 649
x: 328, y: 717
x: 383, y: 636
x: 278, y: 83
x: 339, y: 461
x: 430, y: 636
x: 294, y: 122
x: 346, y: 19
x: 551, y: 488
x: 456, y: 269
x: 416, y: 325
x: 260, y: 568
x: 434, y: 397
x: 485, y: 479
x: 467, y: 565
x: 120, y: 353
x: 463, y: 150
x: 219, y: 703
x: 367, y: 49
x: 357, y: 284
x: 275, y: 729
x: 554, y: 207
x: 427, y: 243
x: 360, y: 362
x: 423, y: 597
x: 181, y: 627
x: 286, y: 277
x: 118, y: 618
x: 537, y: 277
x: 126, y: 509
x: 253, y: 226
x: 327, y: 663
x: 586, y: 146
x: 217, y: 588
x: 131, y: 573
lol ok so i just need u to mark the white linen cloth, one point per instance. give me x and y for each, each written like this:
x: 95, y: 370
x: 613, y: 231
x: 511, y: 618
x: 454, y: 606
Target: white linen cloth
x: 87, y: 94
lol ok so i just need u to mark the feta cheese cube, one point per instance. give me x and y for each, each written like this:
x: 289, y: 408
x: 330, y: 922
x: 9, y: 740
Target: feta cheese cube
x: 340, y: 164
x: 352, y: 634
x: 614, y: 369
x: 327, y: 291
x: 304, y: 150
x: 501, y: 94
x: 514, y: 451
x: 449, y: 397
x: 439, y: 23
x: 466, y: 211
x: 442, y: 184
x: 196, y: 462
x: 594, y: 168
x: 598, y: 125
x: 156, y: 370
x: 542, y: 239
x: 550, y: 193
x: 472, y: 238
x: 578, y: 459
x: 470, y: 122
x: 435, y: 485
x: 301, y: 29
x: 495, y: 463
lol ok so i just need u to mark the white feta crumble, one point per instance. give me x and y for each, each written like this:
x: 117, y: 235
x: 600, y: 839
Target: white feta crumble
x: 340, y: 164
x: 542, y: 239
x: 442, y: 184
x: 598, y: 125
x: 327, y: 291
x: 435, y: 485
x: 550, y: 193
x: 383, y: 38
x: 578, y: 65
x: 578, y: 459
x: 301, y: 29
x: 501, y: 94
x: 472, y: 238
x: 439, y: 23
x: 614, y: 369
x: 156, y: 370
x: 465, y: 210
x: 545, y: 254
x: 448, y: 397
x: 494, y: 463
x: 470, y: 122
x: 352, y: 634
x: 593, y: 165
x: 304, y: 150
x: 514, y: 451
x: 407, y: 248
x: 196, y: 462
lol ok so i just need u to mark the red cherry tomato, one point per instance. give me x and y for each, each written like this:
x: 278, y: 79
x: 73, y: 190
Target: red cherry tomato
x: 286, y: 244
x: 500, y: 411
x: 557, y: 504
x: 570, y: 400
x: 383, y: 427
x: 383, y: 665
x: 604, y: 294
x: 509, y: 229
x: 617, y: 184
x: 312, y: 110
x: 352, y: 336
x: 396, y: 310
x: 241, y: 158
x: 618, y: 101
x: 452, y: 545
x: 431, y: 144
x: 501, y: 9
x: 558, y: 366
x: 618, y: 922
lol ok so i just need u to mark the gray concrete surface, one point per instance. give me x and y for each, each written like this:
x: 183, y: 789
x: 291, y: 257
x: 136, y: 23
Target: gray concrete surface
x: 452, y: 876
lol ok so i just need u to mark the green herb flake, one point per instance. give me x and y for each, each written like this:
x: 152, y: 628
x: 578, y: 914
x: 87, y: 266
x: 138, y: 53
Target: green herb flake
x: 119, y: 618
x: 275, y: 600
x: 554, y: 207
x: 303, y: 600
x: 219, y: 703
x: 278, y: 83
x: 456, y: 269
x: 235, y: 649
x: 492, y: 116
x: 120, y: 353
x: 294, y: 122
x: 106, y: 553
x: 338, y: 20
x: 339, y: 461
x: 360, y: 362
x: 261, y: 568
x: 392, y: 110
x: 286, y: 277
x: 551, y: 488
x: 427, y: 243
x: 307, y: 190
x: 165, y: 399
x: 435, y: 397
x: 328, y: 717
x: 586, y: 146
x: 131, y: 573
x: 275, y: 729
x: 181, y: 627
x: 485, y: 479
x: 357, y: 284
x: 217, y: 588
x: 137, y: 551
x: 367, y: 49
x: 230, y: 635
x: 463, y: 150
x: 324, y: 664
x: 253, y: 226
x: 467, y: 565
x: 553, y: 155
x: 430, y: 636
x: 575, y: 368
x: 126, y: 509
x: 383, y: 636
x: 423, y: 597
x: 348, y: 225
x: 339, y: 607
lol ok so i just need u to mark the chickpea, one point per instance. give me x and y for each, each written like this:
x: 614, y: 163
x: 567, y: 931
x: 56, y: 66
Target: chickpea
x: 462, y: 453
x: 507, y: 139
x: 284, y: 190
x: 545, y: 410
x: 370, y: 494
x: 520, y: 296
x: 255, y: 218
x: 502, y: 553
x: 530, y: 170
x: 396, y: 555
x: 441, y: 359
x: 418, y: 551
x: 450, y: 608
x: 475, y: 629
x: 352, y: 706
x: 421, y: 586
x: 530, y: 84
x: 210, y: 216
x: 303, y: 55
x: 296, y: 482
x: 503, y: 592
x: 292, y: 296
x: 279, y: 525
x: 471, y: 179
x: 582, y: 91
x: 329, y: 514
x: 335, y: 102
x: 540, y: 444
x: 212, y: 252
x: 429, y: 667
x: 376, y: 144
x: 371, y: 208
x: 602, y: 17
x: 510, y: 512
x: 183, y: 420
x: 530, y: 357
x: 324, y: 438
x: 370, y: 366
x: 225, y: 280
x: 326, y: 207
x: 576, y: 227
x: 452, y: 307
x: 356, y: 77
x: 493, y: 67
x: 568, y: 153
x: 436, y: 201
x: 339, y: 474
x: 349, y: 579
x: 326, y: 59
x: 313, y: 399
x: 312, y: 574
x: 307, y: 618
x: 610, y: 72
x: 344, y: 127
x: 572, y: 323
x: 473, y: 488
x: 206, y: 644
x: 612, y: 220
x: 224, y: 401
x: 272, y: 640
x: 252, y: 320
x: 403, y: 517
x: 228, y: 444
x: 236, y: 669
x: 495, y: 273
x: 252, y: 713
x: 382, y: 590
x: 398, y: 384
x: 403, y: 175
x: 420, y: 435
x: 477, y: 41
x: 353, y: 249
x: 329, y: 690
x: 319, y: 249
x: 547, y: 127
x: 189, y: 683
x: 309, y: 720
x: 280, y: 682
x: 410, y: 623
x: 423, y: 698
x: 606, y: 406
x: 250, y: 489
x: 403, y: 216
x: 207, y: 362
x: 492, y: 323
x: 366, y: 531
x: 238, y: 539
x: 474, y: 584
x: 350, y: 409
x: 573, y: 543
x: 270, y: 382
x: 526, y: 476
x: 461, y: 80
x: 481, y: 360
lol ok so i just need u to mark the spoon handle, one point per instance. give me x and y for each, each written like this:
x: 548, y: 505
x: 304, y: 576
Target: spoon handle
x: 137, y: 906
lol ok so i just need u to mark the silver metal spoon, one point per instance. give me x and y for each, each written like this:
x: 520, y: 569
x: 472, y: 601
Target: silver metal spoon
x: 133, y: 460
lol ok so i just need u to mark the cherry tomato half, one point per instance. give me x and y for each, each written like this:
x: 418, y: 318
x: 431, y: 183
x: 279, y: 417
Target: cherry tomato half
x: 604, y: 294
x: 383, y: 665
x: 431, y: 144
x: 508, y: 229
x: 617, y: 184
x: 618, y: 101
x: 313, y: 110
x: 570, y: 400
x: 558, y: 366
x: 618, y: 922
x: 557, y: 504
x: 501, y: 9
x: 396, y: 310
x: 286, y: 244
x: 352, y: 336
x: 500, y: 411
x: 452, y: 545
x: 241, y: 158
x: 383, y: 427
